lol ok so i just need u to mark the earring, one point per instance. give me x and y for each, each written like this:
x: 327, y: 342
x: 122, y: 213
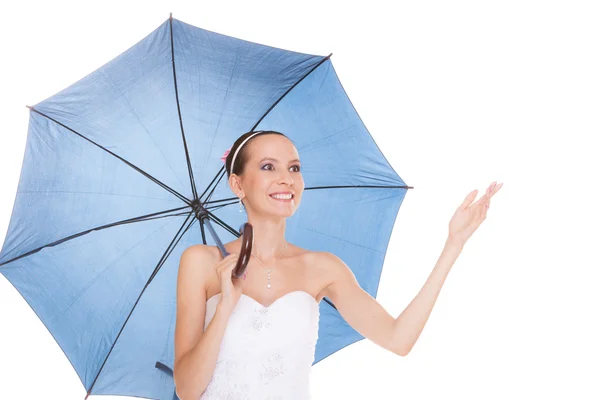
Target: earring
x: 241, y: 205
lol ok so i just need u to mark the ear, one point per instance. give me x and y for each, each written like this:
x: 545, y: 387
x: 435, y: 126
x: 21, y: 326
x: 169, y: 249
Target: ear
x: 235, y: 183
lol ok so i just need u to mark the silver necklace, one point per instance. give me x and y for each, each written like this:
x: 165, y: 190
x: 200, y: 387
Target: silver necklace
x: 269, y: 269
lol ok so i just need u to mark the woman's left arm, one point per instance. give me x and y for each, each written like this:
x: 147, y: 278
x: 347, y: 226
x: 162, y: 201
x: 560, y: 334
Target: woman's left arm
x: 370, y: 319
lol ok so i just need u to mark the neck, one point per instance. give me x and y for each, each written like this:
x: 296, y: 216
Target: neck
x: 269, y: 237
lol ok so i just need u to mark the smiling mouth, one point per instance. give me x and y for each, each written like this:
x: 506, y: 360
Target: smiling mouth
x: 282, y: 197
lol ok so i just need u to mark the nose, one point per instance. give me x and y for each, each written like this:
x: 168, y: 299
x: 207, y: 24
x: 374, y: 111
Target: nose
x: 287, y: 178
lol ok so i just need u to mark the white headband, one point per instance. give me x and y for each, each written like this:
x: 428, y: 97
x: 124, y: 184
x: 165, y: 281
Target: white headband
x: 239, y: 147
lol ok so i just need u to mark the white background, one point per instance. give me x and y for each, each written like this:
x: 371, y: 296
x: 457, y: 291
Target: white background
x: 456, y: 94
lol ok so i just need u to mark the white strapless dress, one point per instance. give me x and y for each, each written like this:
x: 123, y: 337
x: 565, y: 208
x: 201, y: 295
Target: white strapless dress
x: 266, y: 352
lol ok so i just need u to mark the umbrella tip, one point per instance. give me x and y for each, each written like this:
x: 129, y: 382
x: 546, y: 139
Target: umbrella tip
x: 31, y: 108
x: 171, y: 15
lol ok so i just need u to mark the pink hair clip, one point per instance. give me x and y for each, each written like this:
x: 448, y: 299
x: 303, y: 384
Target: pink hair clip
x: 224, y: 157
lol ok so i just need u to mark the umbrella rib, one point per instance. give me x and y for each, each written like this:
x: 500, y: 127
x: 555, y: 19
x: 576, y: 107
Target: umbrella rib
x: 220, y: 206
x: 290, y: 89
x: 316, y: 188
x: 215, y: 187
x: 187, y: 154
x: 146, y: 217
x: 166, y: 255
x: 158, y: 266
x: 221, y: 201
x: 220, y: 176
x: 173, y: 191
x: 359, y: 186
x: 326, y: 300
x: 218, y: 221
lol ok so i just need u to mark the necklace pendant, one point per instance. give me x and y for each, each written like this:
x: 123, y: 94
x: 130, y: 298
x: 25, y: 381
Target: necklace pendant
x: 268, y: 269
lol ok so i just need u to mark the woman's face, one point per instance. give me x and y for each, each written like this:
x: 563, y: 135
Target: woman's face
x: 272, y: 167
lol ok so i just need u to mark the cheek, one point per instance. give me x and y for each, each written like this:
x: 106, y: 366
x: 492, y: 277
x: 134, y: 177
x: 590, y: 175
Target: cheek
x: 261, y: 184
x: 299, y: 187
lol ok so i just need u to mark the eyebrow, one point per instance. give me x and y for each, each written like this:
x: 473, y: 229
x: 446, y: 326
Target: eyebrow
x: 274, y: 159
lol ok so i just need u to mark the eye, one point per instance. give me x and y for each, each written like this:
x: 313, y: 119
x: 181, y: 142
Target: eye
x: 269, y: 169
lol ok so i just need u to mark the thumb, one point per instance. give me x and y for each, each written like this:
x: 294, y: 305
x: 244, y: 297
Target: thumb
x: 231, y: 267
x: 469, y: 199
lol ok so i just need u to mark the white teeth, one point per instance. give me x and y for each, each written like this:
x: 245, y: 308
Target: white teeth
x: 282, y: 196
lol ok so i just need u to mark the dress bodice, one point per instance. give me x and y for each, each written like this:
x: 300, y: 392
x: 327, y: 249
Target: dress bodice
x: 266, y: 352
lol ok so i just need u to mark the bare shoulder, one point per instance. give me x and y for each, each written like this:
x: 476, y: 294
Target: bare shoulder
x: 332, y: 263
x: 194, y: 271
x: 326, y: 268
x: 330, y: 259
x: 314, y: 262
x: 334, y: 269
x: 195, y: 261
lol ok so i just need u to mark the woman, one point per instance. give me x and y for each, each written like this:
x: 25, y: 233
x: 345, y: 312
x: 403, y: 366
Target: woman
x: 254, y: 338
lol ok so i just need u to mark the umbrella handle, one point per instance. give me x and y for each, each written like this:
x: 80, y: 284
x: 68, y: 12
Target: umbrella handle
x: 245, y: 249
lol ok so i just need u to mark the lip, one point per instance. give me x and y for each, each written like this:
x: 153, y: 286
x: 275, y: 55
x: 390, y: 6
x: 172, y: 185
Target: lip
x: 284, y: 200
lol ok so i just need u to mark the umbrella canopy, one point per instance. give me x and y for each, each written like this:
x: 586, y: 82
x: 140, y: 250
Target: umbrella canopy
x: 119, y: 166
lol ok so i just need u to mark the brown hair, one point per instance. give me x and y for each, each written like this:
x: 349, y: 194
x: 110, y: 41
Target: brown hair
x: 242, y: 157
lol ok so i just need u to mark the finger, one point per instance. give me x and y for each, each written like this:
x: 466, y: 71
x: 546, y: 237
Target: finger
x: 484, y: 208
x: 227, y: 264
x: 469, y: 199
x: 482, y: 200
x: 497, y: 188
x: 230, y: 266
x: 484, y: 212
x: 490, y: 192
x: 227, y: 257
x: 481, y: 205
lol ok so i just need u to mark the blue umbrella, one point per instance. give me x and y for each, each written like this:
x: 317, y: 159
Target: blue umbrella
x: 122, y: 172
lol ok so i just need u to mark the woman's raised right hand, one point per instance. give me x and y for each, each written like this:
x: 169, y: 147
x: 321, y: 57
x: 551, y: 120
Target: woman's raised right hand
x: 231, y: 289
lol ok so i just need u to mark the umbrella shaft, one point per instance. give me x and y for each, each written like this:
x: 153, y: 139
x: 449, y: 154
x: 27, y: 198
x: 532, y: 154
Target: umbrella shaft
x: 224, y: 252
